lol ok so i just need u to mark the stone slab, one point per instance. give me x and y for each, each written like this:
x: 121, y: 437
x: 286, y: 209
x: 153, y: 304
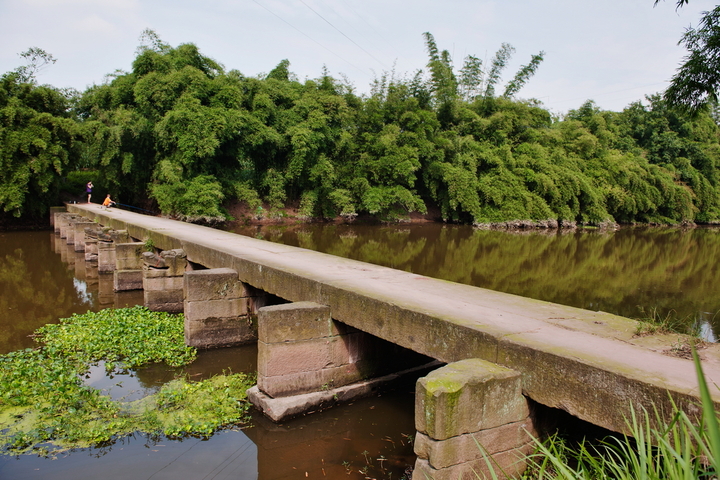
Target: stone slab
x: 227, y: 308
x: 212, y: 284
x: 128, y: 256
x: 125, y: 280
x: 283, y: 408
x: 159, y: 280
x: 289, y: 357
x: 219, y: 332
x: 311, y: 381
x: 295, y: 321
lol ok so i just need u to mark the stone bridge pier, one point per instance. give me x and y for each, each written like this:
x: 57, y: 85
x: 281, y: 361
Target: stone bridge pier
x: 471, y: 416
x: 308, y: 361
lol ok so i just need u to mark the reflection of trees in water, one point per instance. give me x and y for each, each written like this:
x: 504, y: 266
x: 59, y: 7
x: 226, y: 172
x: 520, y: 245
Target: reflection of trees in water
x: 35, y: 288
x: 617, y: 272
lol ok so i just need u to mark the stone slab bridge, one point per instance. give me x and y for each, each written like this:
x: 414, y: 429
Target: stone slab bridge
x: 330, y: 328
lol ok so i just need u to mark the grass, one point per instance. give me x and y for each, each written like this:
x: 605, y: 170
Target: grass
x: 680, y: 449
x: 653, y: 322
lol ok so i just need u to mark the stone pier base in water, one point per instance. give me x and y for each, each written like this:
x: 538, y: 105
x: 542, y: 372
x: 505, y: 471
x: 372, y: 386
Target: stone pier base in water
x: 106, y: 256
x: 471, y: 415
x: 128, y: 273
x: 216, y: 309
x: 79, y: 233
x: 302, y: 350
x: 308, y: 361
x: 163, y: 280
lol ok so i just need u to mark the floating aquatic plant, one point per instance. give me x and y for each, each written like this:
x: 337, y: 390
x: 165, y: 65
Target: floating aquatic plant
x: 45, y: 406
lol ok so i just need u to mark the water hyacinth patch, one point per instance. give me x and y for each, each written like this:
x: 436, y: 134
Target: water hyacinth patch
x: 129, y: 336
x: 45, y: 406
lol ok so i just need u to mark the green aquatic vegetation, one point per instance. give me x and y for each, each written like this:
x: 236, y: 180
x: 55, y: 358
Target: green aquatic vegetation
x: 199, y: 408
x: 45, y: 406
x: 124, y: 338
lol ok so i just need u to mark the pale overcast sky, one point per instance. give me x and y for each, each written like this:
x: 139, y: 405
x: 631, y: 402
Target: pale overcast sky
x: 612, y: 51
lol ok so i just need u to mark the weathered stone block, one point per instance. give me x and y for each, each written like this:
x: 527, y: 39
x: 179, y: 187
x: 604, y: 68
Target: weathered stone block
x: 158, y: 280
x: 468, y: 396
x: 65, y: 224
x: 218, y: 332
x: 308, y: 382
x: 79, y: 235
x: 175, y: 261
x: 163, y: 292
x: 128, y: 256
x: 294, y: 321
x: 302, y: 356
x: 54, y: 211
x: 508, y: 464
x: 212, y: 284
x: 472, y: 446
x: 215, y: 312
x: 124, y: 280
x: 106, y: 257
x: 227, y: 308
x: 163, y: 296
x: 119, y: 236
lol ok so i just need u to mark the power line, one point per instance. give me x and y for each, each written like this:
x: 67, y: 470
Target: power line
x: 343, y: 34
x: 307, y: 36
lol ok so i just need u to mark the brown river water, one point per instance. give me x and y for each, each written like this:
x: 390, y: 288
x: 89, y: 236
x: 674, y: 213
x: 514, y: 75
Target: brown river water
x: 42, y: 280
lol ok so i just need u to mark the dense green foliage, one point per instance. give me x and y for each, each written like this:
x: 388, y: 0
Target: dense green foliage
x: 181, y: 130
x: 39, y: 142
x: 44, y: 404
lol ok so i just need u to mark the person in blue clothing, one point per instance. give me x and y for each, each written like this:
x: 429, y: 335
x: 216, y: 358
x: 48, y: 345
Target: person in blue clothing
x: 88, y: 190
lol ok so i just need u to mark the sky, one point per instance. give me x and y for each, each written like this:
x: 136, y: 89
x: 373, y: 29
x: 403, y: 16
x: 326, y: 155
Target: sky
x: 611, y: 51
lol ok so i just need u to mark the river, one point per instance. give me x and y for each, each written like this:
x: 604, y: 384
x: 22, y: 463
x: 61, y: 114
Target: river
x: 630, y: 272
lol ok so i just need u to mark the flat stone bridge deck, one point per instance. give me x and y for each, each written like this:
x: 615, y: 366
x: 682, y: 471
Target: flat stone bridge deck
x: 589, y: 364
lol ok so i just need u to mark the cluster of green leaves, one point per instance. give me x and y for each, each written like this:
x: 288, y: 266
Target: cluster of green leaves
x: 207, y: 135
x: 44, y: 404
x: 182, y: 408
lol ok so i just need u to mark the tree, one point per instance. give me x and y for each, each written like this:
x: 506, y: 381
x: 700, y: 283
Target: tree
x: 38, y: 145
x: 697, y: 81
x: 473, y: 80
x: 680, y: 3
x: 37, y: 59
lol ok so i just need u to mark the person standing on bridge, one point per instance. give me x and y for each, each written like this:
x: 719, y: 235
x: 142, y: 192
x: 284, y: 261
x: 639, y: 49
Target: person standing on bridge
x: 88, y: 189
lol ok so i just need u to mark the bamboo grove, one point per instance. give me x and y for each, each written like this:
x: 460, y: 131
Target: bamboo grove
x: 182, y: 133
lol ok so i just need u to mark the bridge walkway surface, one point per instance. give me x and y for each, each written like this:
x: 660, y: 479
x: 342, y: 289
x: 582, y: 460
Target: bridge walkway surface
x: 590, y: 364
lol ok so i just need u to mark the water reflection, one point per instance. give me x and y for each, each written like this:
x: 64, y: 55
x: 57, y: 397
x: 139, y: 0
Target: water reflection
x: 233, y: 456
x: 37, y: 287
x: 619, y: 272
